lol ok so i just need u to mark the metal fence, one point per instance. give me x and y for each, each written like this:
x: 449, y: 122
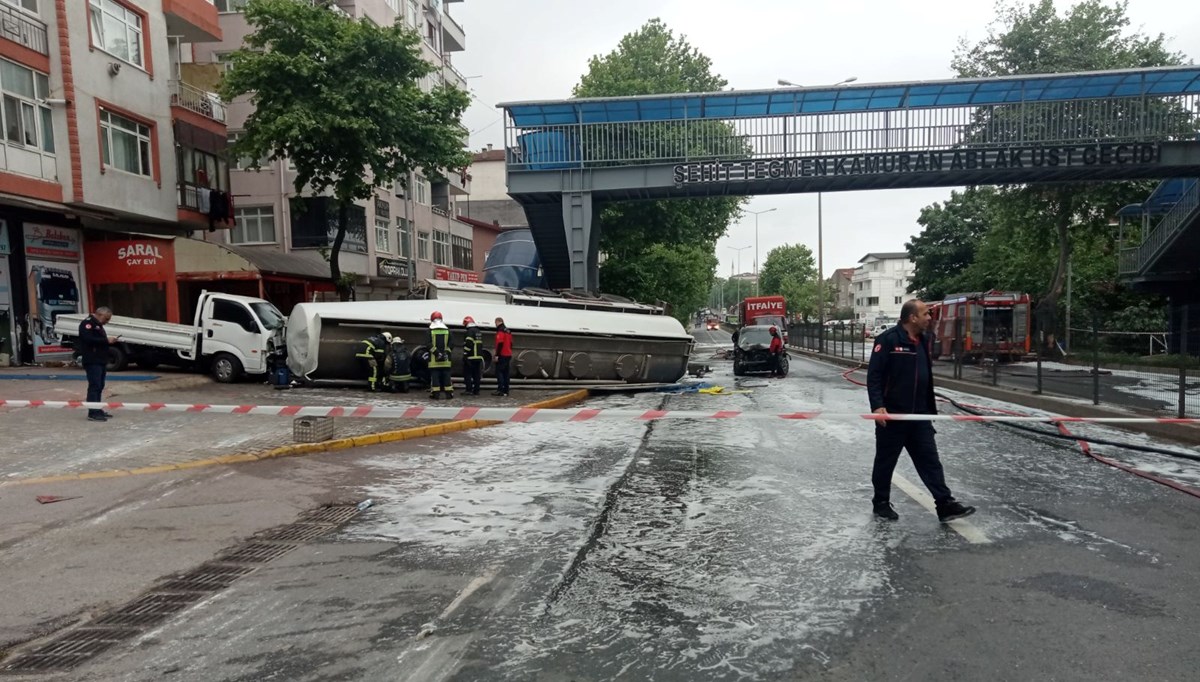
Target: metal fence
x: 1153, y: 372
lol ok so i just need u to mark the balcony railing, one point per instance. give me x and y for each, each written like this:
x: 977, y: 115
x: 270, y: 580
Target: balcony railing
x: 23, y: 29
x: 194, y: 99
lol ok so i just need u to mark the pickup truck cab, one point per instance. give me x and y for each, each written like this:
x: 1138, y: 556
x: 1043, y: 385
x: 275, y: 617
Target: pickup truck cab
x: 230, y: 336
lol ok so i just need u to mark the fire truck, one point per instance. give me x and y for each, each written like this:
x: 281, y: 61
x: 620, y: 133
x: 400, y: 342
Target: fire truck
x: 992, y: 323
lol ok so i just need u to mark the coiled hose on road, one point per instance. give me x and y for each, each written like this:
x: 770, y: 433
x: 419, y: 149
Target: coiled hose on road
x: 1083, y: 441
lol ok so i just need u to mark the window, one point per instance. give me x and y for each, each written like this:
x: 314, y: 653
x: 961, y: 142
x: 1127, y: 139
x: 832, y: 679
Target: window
x: 898, y: 300
x: 26, y: 121
x: 30, y: 5
x: 441, y: 247
x: 383, y: 235
x: 873, y: 300
x: 422, y: 190
x: 462, y: 256
x: 413, y: 16
x: 900, y: 283
x: 124, y: 144
x: 404, y: 227
x: 117, y: 30
x: 394, y: 5
x: 235, y: 313
x: 202, y: 169
x: 231, y: 5
x: 254, y: 225
x: 245, y: 162
x: 422, y: 246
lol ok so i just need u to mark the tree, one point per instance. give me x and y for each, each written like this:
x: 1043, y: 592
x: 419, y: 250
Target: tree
x: 637, y: 237
x: 1034, y: 38
x: 946, y: 246
x: 341, y: 99
x: 790, y: 271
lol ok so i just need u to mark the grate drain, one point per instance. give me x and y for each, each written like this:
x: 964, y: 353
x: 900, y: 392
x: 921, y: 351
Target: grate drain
x: 175, y: 594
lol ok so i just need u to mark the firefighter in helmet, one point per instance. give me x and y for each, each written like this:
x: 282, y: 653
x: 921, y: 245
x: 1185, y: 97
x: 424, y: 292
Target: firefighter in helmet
x: 371, y: 355
x: 440, y: 387
x: 472, y: 357
x: 399, y: 366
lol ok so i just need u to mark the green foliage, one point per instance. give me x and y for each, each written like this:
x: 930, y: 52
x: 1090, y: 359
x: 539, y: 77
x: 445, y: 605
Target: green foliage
x: 637, y: 237
x: 1021, y: 237
x: 341, y: 99
x: 790, y: 271
x: 678, y: 275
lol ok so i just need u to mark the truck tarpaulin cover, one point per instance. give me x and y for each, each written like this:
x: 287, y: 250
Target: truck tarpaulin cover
x: 304, y: 325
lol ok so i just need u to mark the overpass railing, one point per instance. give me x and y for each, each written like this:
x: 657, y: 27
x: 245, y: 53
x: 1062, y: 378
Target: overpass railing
x: 1133, y: 260
x: 1143, y: 118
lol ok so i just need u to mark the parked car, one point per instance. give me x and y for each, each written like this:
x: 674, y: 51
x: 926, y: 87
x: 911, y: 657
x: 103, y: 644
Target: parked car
x: 751, y: 354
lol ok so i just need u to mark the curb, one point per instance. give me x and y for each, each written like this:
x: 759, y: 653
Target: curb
x: 298, y: 449
x: 1179, y: 433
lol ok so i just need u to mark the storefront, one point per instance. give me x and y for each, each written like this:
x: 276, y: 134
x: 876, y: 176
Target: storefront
x: 284, y: 279
x: 454, y: 274
x: 54, y: 277
x: 135, y: 276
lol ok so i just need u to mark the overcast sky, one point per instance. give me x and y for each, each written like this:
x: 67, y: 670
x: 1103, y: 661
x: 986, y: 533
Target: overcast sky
x: 538, y: 49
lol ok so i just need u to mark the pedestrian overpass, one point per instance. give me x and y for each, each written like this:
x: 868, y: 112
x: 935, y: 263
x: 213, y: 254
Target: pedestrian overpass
x: 567, y: 158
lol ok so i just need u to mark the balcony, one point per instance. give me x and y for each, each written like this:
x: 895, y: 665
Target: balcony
x: 193, y: 99
x: 23, y: 29
x: 454, y: 38
x: 193, y: 20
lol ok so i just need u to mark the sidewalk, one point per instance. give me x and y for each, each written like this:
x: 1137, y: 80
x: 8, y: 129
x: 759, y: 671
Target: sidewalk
x: 54, y: 442
x: 1062, y: 405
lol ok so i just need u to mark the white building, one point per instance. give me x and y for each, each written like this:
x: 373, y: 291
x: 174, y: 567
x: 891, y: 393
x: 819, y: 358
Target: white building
x: 880, y: 286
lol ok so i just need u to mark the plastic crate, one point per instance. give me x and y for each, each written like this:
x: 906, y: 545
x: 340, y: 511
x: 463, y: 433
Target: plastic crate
x: 312, y: 429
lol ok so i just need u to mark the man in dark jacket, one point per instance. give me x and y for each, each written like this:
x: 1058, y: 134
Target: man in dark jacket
x: 371, y: 354
x: 900, y: 381
x: 93, y: 351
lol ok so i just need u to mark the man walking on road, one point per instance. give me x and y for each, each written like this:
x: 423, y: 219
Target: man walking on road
x: 503, y: 357
x: 93, y: 349
x: 900, y: 381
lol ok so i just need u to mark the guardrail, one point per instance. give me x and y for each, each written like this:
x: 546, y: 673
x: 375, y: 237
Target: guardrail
x: 23, y: 29
x: 1180, y: 216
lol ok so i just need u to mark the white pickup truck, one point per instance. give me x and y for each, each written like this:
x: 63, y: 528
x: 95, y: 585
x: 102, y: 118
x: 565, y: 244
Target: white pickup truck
x: 231, y: 335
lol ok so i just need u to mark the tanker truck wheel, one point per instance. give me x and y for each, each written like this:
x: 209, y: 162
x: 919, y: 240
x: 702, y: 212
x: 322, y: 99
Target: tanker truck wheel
x: 226, y: 369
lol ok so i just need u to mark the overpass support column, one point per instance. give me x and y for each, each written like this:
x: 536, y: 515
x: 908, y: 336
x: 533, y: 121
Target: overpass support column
x: 583, y: 240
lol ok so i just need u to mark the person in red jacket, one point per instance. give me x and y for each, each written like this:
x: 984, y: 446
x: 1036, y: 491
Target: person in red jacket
x: 776, y: 351
x: 503, y: 357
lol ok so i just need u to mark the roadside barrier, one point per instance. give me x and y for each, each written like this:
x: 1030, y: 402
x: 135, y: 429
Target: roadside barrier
x: 533, y: 414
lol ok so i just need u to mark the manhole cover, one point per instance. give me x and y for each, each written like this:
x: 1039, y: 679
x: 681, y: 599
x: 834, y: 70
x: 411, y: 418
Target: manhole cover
x: 296, y: 532
x: 335, y: 515
x: 149, y: 609
x: 207, y: 578
x: 256, y: 553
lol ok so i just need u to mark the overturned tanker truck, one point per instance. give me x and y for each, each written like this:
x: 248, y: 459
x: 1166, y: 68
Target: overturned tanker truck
x: 556, y: 339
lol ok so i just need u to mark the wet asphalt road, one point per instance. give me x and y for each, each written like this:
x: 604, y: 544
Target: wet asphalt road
x: 712, y: 551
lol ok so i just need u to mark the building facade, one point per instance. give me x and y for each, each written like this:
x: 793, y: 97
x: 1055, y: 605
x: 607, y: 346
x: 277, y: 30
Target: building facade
x: 880, y: 284
x: 395, y: 239
x: 841, y: 283
x: 489, y: 200
x: 107, y: 142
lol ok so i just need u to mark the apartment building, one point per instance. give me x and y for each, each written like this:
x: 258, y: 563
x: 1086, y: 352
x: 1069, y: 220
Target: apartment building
x: 109, y: 154
x: 880, y: 284
x: 841, y: 283
x: 489, y: 200
x: 396, y: 238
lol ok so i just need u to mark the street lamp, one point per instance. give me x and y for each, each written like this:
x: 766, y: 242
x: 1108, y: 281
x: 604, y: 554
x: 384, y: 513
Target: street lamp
x: 739, y: 250
x: 788, y: 84
x: 756, y: 214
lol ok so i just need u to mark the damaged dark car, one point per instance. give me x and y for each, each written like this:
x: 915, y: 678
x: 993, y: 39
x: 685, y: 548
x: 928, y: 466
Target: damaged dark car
x: 751, y: 352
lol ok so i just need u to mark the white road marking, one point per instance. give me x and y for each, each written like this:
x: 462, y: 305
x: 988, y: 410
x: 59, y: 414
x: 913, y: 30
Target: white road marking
x: 475, y: 584
x: 964, y: 527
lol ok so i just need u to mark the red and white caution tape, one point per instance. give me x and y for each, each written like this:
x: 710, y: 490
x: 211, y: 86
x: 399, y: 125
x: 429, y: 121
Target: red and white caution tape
x: 533, y: 414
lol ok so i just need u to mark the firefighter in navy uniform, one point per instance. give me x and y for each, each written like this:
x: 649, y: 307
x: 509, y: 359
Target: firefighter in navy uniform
x: 440, y: 387
x: 472, y: 357
x: 900, y: 381
x: 93, y: 351
x: 399, y: 366
x: 371, y: 355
